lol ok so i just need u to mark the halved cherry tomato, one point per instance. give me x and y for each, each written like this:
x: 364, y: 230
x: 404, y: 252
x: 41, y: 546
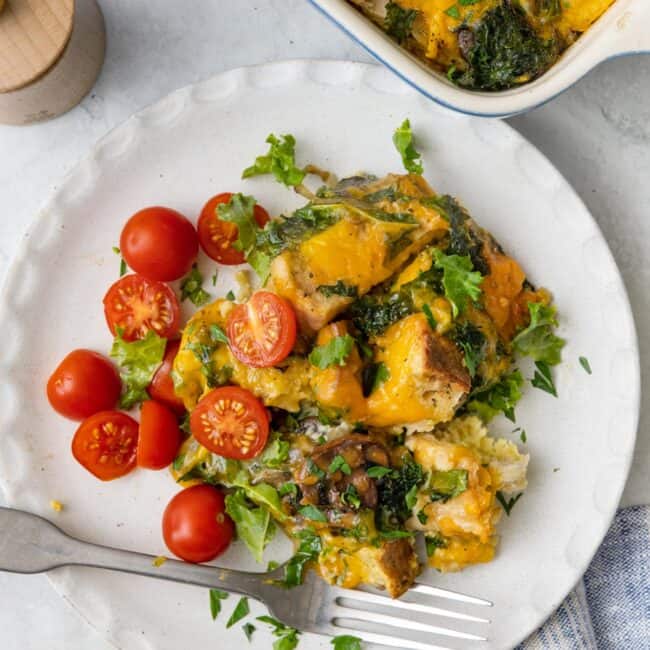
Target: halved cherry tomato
x: 262, y: 331
x: 84, y: 383
x: 159, y: 243
x: 195, y: 525
x: 162, y: 386
x: 137, y: 305
x: 105, y: 444
x: 232, y: 422
x: 216, y: 236
x: 159, y: 437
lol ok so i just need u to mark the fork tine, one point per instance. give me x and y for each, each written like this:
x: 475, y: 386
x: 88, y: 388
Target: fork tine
x: 384, y: 601
x: 409, y: 625
x: 420, y: 588
x: 393, y: 642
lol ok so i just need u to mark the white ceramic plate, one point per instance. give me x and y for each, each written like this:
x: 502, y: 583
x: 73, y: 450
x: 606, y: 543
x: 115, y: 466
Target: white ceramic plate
x: 195, y: 143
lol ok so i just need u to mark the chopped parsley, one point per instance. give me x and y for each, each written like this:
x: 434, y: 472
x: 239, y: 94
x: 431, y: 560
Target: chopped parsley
x: 500, y: 397
x: 218, y: 335
x: 123, y: 266
x: 241, y: 611
x: 138, y: 362
x: 216, y: 596
x: 338, y: 289
x: 308, y: 551
x: 192, y: 288
x: 248, y: 628
x: 346, y: 642
x: 507, y: 504
x: 287, y: 636
x: 378, y: 471
x: 432, y: 543
x: 403, y: 141
x: 351, y: 497
x: 240, y: 211
x: 279, y: 161
x: 230, y: 296
x: 313, y: 513
x: 523, y: 437
x: 423, y: 517
x: 334, y: 352
x: 584, y: 362
x: 399, y: 22
x: 430, y: 319
x: 445, y: 485
x: 453, y: 12
x: 339, y: 463
x: 460, y: 282
x: 373, y: 376
x: 215, y: 275
x: 543, y: 378
x: 538, y: 340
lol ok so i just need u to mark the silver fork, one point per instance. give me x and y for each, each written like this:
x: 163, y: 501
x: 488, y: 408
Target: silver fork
x: 32, y: 544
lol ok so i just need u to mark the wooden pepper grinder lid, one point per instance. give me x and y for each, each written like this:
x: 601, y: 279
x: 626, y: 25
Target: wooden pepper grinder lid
x: 51, y: 52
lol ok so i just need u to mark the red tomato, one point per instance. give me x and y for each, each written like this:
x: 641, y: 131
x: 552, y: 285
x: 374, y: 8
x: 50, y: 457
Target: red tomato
x: 159, y: 243
x: 195, y: 525
x: 137, y: 305
x: 105, y: 444
x: 84, y: 383
x: 159, y: 437
x: 262, y: 331
x: 216, y: 236
x: 162, y: 386
x: 232, y: 422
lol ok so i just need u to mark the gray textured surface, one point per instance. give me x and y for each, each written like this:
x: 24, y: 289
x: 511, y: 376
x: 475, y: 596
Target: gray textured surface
x: 597, y: 134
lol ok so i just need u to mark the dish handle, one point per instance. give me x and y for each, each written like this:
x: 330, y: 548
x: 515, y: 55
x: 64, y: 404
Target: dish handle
x: 630, y: 33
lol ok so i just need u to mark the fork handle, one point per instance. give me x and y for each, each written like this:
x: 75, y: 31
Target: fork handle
x: 103, y: 557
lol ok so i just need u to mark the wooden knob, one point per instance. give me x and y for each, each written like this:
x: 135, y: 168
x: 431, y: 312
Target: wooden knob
x: 33, y: 35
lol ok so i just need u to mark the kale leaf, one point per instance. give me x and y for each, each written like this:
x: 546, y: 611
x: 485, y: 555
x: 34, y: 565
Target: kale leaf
x: 399, y: 22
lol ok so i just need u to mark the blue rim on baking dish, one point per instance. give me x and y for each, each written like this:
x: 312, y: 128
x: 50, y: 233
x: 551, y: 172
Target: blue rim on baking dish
x: 619, y: 32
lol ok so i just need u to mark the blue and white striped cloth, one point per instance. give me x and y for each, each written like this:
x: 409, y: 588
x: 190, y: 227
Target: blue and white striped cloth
x: 610, y: 608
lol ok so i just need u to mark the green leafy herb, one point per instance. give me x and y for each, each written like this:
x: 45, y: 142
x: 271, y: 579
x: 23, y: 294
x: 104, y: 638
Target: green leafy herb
x: 138, y: 362
x: 430, y: 319
x: 584, y: 362
x: 432, y: 543
x: 248, y: 628
x: 377, y: 471
x: 373, y: 315
x: 241, y: 611
x: 448, y: 484
x: 230, y: 296
x: 240, y: 211
x: 453, y: 12
x: 403, y: 141
x: 411, y: 497
x: 346, y: 642
x: 543, y: 378
x: 216, y: 596
x: 178, y: 462
x: 314, y: 469
x: 287, y: 636
x: 276, y: 452
x: 506, y: 50
x: 253, y: 522
x: 507, y: 504
x: 214, y: 277
x: 471, y: 340
x: 279, y: 161
x: 308, y: 551
x: 313, y: 513
x: 423, y: 517
x: 501, y: 397
x: 290, y: 489
x: 218, y: 335
x: 272, y: 566
x: 334, y: 352
x: 373, y: 376
x: 460, y: 282
x: 399, y: 22
x: 192, y: 288
x: 123, y: 266
x: 351, y: 497
x: 538, y: 340
x: 395, y: 534
x: 338, y: 289
x: 339, y: 463
x: 522, y: 436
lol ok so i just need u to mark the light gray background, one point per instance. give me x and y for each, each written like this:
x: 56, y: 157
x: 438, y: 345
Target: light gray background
x: 597, y: 134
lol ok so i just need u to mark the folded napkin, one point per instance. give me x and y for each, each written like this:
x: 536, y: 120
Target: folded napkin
x: 610, y: 607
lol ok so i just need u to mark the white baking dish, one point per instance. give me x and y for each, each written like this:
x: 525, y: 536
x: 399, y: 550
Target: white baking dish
x: 623, y: 29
